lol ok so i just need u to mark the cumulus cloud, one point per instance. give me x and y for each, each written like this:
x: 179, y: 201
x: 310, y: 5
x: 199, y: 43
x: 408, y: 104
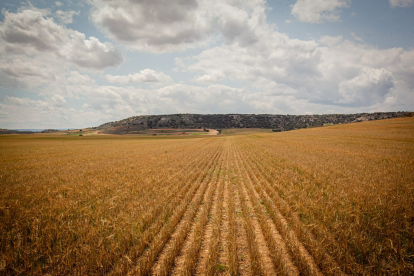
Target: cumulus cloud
x: 29, y: 33
x: 175, y: 98
x: 369, y: 87
x: 90, y: 53
x: 274, y: 58
x: 24, y: 72
x: 156, y: 26
x: 331, y: 40
x: 316, y: 11
x: 273, y: 72
x: 25, y: 102
x: 57, y: 100
x: 44, y: 78
x: 401, y: 3
x: 324, y: 74
x: 235, y: 23
x: 41, y: 56
x: 66, y: 17
x: 146, y: 75
x: 167, y: 26
x: 213, y: 77
x: 18, y: 112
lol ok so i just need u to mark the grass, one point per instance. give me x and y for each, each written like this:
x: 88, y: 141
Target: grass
x: 340, y: 197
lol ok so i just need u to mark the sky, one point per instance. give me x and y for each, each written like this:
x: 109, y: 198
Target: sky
x: 77, y: 64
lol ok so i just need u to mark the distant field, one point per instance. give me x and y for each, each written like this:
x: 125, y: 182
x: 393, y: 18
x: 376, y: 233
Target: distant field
x: 144, y: 132
x: 324, y: 201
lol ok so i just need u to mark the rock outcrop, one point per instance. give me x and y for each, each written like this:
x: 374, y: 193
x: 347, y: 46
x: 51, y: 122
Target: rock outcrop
x: 223, y: 121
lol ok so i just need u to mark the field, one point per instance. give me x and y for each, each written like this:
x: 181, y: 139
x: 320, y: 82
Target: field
x: 146, y: 132
x: 333, y: 200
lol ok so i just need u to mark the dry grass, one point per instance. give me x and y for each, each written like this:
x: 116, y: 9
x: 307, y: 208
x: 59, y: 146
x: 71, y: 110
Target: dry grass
x: 333, y: 200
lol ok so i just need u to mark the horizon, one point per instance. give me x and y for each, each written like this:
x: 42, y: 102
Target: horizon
x: 84, y: 63
x: 85, y: 127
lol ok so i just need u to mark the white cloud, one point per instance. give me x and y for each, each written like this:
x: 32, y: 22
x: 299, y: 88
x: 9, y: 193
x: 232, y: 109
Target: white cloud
x: 24, y: 72
x: 58, y: 4
x: 273, y: 73
x: 175, y: 98
x: 357, y: 38
x: 167, y: 26
x: 235, y: 23
x: 212, y: 77
x: 45, y: 78
x: 26, y: 113
x: 369, y: 87
x: 57, y: 100
x: 28, y: 33
x: 90, y: 53
x: 76, y: 78
x: 315, y: 11
x: 41, y: 56
x: 401, y: 3
x: 146, y: 75
x: 155, y: 26
x: 334, y: 74
x: 66, y: 17
x: 29, y: 6
x: 25, y: 102
x: 331, y: 40
x: 274, y: 58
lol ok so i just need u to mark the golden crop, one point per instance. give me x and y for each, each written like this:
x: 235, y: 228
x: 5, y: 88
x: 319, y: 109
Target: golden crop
x: 325, y: 201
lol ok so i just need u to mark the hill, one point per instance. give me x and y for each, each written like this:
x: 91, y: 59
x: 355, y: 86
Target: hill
x: 226, y: 121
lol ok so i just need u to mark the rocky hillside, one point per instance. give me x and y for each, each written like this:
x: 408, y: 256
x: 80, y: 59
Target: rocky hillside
x: 222, y: 121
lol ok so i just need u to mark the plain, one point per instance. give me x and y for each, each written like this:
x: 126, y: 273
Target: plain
x: 332, y: 200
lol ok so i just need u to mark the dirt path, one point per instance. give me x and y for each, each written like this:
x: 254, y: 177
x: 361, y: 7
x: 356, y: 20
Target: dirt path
x: 212, y: 132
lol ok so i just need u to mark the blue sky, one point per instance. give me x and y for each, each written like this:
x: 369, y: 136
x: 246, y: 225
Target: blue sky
x: 83, y: 63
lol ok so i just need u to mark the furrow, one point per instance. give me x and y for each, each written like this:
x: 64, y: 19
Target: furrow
x: 259, y: 250
x: 239, y: 257
x: 275, y: 244
x: 300, y: 241
x: 330, y: 254
x: 246, y: 223
x: 147, y: 236
x: 227, y: 266
x: 186, y: 263
x: 209, y: 251
x: 146, y: 261
x: 157, y: 224
x: 171, y: 249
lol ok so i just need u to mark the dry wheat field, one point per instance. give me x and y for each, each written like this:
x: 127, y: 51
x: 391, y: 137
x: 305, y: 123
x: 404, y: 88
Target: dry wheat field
x: 325, y: 201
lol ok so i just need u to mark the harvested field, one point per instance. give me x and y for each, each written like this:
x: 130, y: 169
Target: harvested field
x: 333, y: 200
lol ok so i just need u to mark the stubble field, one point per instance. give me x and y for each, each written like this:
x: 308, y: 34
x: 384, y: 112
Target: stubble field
x: 326, y: 201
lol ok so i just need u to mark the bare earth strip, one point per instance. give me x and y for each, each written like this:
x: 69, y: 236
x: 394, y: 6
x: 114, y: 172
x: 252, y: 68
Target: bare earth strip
x: 145, y: 263
x: 275, y: 245
x: 173, y: 247
x: 243, y: 254
x: 291, y: 235
x: 208, y: 260
x: 177, y: 196
x: 186, y: 263
x: 263, y: 255
x: 224, y: 244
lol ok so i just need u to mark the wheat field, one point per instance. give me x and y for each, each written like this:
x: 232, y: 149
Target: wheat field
x: 333, y: 200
